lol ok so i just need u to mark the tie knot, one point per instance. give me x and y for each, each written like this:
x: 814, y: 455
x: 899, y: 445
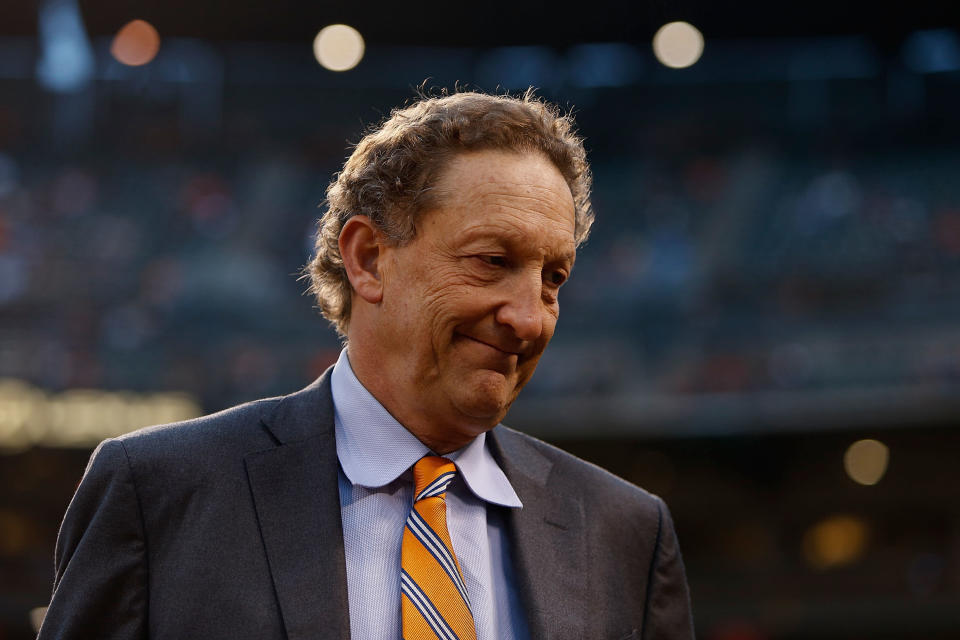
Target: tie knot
x: 431, y: 475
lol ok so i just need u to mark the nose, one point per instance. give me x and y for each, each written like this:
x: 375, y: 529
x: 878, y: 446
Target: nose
x: 523, y: 308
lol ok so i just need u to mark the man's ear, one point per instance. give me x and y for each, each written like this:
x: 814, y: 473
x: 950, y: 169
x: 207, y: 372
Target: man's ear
x: 360, y: 247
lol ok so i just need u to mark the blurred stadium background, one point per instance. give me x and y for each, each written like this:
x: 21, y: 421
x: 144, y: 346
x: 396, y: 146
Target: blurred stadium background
x: 764, y: 328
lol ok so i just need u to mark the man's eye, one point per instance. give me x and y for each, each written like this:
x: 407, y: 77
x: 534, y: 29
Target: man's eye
x: 496, y: 261
x: 557, y: 278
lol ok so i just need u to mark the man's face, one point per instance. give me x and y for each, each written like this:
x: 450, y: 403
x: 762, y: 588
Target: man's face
x: 471, y: 302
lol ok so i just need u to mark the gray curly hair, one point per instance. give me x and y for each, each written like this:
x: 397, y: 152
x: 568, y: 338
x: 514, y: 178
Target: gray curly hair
x: 389, y: 174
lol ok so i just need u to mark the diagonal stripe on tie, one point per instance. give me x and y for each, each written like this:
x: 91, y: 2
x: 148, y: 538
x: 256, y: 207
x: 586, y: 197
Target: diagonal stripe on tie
x: 435, y: 546
x: 426, y: 608
x: 434, y: 601
x: 436, y: 487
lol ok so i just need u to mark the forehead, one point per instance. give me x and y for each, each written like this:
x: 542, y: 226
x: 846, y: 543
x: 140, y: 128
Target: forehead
x: 522, y: 193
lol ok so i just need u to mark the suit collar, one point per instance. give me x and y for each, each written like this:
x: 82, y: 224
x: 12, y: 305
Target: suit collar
x: 547, y: 536
x: 300, y: 415
x: 297, y: 502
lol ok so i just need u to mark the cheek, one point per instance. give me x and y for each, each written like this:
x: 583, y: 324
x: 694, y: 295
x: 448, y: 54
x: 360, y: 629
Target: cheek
x: 452, y: 297
x: 550, y: 317
x: 450, y: 310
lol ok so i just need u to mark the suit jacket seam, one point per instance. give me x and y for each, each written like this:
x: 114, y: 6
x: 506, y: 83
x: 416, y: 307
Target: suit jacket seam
x: 143, y: 535
x: 653, y: 568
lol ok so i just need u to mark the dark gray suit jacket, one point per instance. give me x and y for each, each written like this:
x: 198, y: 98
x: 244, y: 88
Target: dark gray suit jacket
x: 228, y: 526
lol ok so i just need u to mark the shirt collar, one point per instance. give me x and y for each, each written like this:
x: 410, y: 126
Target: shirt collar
x: 374, y: 449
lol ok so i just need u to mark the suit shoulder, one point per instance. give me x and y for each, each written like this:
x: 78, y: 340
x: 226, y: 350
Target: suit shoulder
x: 231, y: 429
x: 577, y: 473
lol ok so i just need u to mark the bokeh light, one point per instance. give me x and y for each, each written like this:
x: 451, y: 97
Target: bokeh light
x: 866, y: 461
x: 31, y: 416
x: 835, y: 541
x: 678, y: 45
x: 338, y: 47
x: 136, y: 43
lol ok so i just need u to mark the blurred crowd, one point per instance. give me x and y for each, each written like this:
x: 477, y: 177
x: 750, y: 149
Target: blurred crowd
x: 753, y: 267
x: 120, y: 273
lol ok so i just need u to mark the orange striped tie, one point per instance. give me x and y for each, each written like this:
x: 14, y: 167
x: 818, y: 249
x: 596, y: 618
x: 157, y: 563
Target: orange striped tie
x: 434, y: 602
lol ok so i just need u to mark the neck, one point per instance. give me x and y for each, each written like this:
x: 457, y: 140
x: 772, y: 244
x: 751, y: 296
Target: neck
x: 439, y: 435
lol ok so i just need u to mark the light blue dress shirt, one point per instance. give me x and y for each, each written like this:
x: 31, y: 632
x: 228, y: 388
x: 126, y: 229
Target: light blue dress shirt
x: 376, y: 456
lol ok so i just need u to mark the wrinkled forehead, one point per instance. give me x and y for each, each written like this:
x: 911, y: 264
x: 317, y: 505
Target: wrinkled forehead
x: 523, y: 182
x: 495, y: 202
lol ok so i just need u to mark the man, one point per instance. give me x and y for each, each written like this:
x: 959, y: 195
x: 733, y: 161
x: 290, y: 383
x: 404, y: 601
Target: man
x: 385, y: 500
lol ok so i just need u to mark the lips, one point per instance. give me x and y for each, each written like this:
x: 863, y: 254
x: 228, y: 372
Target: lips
x: 500, y: 349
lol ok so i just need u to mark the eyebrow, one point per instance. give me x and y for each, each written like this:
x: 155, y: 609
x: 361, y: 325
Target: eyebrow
x: 510, y: 238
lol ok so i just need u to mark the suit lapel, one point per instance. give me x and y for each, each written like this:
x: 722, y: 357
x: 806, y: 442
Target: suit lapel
x: 297, y: 501
x: 547, y: 537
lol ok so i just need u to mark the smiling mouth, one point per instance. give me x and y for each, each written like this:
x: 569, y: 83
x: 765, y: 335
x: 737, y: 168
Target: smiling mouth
x: 492, y: 346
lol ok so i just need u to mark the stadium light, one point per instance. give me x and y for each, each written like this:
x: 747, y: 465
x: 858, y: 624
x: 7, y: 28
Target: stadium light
x: 835, y: 541
x: 866, y: 461
x: 678, y: 45
x: 136, y: 43
x: 66, y: 61
x: 338, y: 47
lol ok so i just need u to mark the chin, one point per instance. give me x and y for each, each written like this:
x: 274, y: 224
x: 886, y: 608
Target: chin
x: 484, y: 409
x: 486, y: 398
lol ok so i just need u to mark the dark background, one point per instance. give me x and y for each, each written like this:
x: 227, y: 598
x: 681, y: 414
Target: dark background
x: 774, y: 272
